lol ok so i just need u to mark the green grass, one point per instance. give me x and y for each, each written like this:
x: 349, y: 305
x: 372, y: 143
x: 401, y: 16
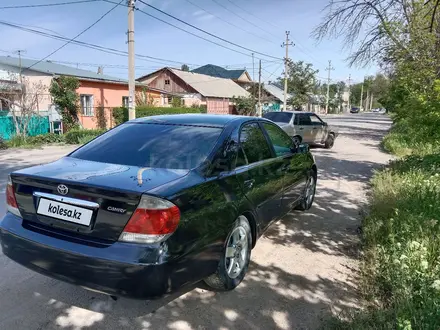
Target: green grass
x: 401, y: 240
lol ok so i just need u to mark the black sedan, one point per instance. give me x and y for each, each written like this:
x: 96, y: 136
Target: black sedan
x: 157, y: 203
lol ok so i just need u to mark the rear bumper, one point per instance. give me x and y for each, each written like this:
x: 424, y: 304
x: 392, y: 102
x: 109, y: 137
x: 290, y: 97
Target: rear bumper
x: 116, y: 269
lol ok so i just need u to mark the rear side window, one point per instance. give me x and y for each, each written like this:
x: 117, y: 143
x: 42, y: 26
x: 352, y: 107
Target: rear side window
x: 254, y: 143
x: 281, y: 142
x: 278, y: 117
x: 152, y: 145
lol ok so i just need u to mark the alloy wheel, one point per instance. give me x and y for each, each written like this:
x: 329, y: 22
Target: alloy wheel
x: 236, y: 252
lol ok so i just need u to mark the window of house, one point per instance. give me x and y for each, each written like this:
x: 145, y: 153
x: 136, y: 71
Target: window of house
x: 86, y: 104
x: 125, y: 101
x: 167, y: 81
x: 170, y: 99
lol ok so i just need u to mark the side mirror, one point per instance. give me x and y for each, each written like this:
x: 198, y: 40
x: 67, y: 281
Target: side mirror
x: 304, y: 148
x: 324, y: 124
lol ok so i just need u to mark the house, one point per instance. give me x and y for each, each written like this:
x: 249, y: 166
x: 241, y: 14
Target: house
x: 96, y: 90
x: 195, y: 89
x: 275, y: 99
x: 240, y: 76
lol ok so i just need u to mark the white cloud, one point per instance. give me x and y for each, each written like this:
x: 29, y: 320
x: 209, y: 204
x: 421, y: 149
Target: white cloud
x: 206, y: 17
x: 198, y: 12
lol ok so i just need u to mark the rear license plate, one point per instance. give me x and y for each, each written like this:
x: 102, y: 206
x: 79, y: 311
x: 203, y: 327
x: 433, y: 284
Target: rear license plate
x: 65, y: 212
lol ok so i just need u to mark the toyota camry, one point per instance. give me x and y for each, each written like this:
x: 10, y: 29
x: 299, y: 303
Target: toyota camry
x: 157, y: 203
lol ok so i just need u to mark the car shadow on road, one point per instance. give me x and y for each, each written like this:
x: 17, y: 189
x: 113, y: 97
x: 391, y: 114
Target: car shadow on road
x: 269, y: 298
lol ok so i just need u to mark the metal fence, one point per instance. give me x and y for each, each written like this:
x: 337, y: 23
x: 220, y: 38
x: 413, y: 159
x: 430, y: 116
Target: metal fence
x: 37, y: 125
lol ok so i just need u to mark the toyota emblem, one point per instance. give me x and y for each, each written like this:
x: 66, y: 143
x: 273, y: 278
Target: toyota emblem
x: 62, y: 189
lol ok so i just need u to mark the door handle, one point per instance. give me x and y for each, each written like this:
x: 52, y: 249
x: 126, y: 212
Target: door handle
x: 301, y: 128
x: 249, y: 183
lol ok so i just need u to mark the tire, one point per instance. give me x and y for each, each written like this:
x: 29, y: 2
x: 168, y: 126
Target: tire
x: 329, y: 143
x: 309, y: 193
x: 297, y: 140
x: 228, y: 277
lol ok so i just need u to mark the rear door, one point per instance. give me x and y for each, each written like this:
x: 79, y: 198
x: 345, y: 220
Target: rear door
x: 293, y: 169
x: 260, y: 174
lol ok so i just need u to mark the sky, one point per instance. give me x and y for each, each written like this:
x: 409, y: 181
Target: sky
x: 258, y: 25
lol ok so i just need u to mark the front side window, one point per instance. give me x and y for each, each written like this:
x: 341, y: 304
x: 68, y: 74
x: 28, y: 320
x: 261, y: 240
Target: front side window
x: 281, y: 142
x: 303, y: 119
x: 254, y: 143
x: 86, y: 104
x: 152, y: 145
x: 315, y: 120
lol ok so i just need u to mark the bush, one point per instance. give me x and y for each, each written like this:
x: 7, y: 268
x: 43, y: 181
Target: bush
x: 45, y: 139
x: 34, y: 141
x: 86, y: 139
x: 120, y: 115
x: 3, y: 144
x: 79, y: 136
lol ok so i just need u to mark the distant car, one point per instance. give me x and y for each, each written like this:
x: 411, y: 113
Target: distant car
x: 355, y: 110
x: 304, y: 127
x: 157, y: 203
x: 377, y: 110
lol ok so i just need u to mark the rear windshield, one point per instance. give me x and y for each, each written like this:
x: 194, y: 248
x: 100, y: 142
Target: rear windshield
x: 278, y: 117
x: 152, y: 145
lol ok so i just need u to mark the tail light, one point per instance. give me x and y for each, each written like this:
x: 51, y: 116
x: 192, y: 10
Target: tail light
x: 154, y: 220
x: 11, y: 201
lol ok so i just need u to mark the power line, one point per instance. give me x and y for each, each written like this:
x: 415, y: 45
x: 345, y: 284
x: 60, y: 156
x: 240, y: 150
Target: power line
x: 249, y: 13
x: 206, y: 32
x: 49, y: 4
x: 227, y: 22
x: 78, y: 35
x: 243, y: 18
x: 271, y: 74
x: 108, y: 50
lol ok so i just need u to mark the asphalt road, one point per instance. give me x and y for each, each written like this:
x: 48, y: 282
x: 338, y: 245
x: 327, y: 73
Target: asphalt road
x: 302, y: 269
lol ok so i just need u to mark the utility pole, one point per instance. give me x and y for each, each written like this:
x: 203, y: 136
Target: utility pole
x: 362, y: 94
x: 131, y: 68
x: 253, y: 68
x: 260, y: 112
x: 329, y: 69
x: 371, y: 101
x: 286, y: 62
x: 349, y: 91
x: 19, y: 52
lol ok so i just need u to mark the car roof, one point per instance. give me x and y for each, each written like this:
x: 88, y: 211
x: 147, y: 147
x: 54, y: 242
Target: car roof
x: 193, y: 119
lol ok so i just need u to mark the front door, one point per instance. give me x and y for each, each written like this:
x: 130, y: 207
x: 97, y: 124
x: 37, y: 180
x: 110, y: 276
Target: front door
x: 310, y: 127
x: 318, y: 128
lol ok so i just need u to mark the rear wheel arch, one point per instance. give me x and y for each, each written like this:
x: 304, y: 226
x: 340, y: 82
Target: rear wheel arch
x: 253, y: 224
x: 315, y: 171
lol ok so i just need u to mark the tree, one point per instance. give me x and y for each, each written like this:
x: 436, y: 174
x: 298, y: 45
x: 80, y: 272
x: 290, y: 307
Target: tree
x: 22, y: 100
x: 301, y: 78
x: 184, y: 67
x: 63, y: 92
x: 245, y: 106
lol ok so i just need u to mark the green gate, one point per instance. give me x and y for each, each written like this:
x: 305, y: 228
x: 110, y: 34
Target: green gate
x: 37, y: 125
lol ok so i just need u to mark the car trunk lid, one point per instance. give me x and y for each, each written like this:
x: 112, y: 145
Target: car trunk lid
x: 106, y: 195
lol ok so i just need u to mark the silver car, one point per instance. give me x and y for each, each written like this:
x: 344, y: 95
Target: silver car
x: 304, y: 127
